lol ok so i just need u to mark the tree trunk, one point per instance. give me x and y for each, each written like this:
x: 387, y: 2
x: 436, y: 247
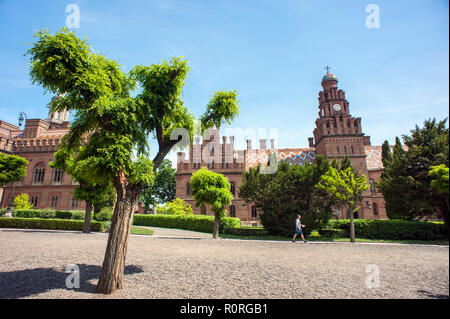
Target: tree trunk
x: 352, y: 226
x: 216, y: 226
x: 116, y: 250
x: 87, y: 217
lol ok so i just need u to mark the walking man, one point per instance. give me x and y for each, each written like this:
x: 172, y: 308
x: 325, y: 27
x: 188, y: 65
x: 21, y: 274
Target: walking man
x: 298, y: 229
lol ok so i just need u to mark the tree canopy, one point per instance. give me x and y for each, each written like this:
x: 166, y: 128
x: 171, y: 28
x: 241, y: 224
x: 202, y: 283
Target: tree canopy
x: 108, y: 138
x: 286, y: 193
x: 163, y: 188
x: 213, y: 189
x: 12, y: 168
x: 406, y: 183
x: 346, y: 189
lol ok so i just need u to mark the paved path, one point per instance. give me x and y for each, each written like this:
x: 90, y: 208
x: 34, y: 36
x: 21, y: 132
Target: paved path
x: 33, y: 265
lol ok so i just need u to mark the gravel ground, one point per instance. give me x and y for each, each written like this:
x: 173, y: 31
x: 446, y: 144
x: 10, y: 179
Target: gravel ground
x: 33, y: 264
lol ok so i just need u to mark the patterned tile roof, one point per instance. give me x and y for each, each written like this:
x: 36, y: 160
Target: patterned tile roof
x: 373, y: 158
x: 293, y: 155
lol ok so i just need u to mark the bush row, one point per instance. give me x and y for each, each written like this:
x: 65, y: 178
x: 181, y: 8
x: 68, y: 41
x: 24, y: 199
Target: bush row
x: 46, y: 213
x: 199, y: 223
x: 333, y: 233
x: 393, y: 229
x: 54, y: 224
x: 247, y: 231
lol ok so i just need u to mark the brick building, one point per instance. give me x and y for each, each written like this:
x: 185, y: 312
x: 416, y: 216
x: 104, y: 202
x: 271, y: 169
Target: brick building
x: 37, y: 142
x: 337, y: 134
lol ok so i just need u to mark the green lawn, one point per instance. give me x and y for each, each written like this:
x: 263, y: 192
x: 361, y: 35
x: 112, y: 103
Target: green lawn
x: 141, y: 231
x: 316, y: 237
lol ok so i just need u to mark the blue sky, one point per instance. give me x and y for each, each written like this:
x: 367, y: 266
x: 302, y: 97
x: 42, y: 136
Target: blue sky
x: 272, y: 52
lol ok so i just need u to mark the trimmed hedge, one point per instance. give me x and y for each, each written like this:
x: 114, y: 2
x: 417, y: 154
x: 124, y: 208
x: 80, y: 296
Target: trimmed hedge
x: 47, y: 213
x: 393, y: 229
x: 199, y: 223
x: 333, y: 233
x: 247, y: 231
x: 54, y: 224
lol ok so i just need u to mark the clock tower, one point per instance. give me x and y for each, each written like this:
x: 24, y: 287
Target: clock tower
x: 338, y: 134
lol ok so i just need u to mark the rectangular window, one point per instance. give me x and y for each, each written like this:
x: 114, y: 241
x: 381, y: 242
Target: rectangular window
x: 74, y: 203
x: 58, y: 176
x: 53, y: 201
x: 34, y: 201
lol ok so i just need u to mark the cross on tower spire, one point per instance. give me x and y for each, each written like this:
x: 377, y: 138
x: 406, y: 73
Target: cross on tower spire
x: 327, y: 68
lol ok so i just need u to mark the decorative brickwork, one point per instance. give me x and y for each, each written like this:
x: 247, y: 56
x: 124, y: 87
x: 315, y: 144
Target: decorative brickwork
x: 46, y: 187
x: 337, y: 134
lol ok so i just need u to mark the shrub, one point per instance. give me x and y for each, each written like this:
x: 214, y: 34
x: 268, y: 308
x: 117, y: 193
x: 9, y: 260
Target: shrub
x: 199, y: 223
x: 394, y: 229
x: 333, y: 233
x: 27, y: 213
x: 63, y: 214
x: 176, y: 207
x: 281, y: 221
x: 22, y: 201
x: 56, y: 224
x: 78, y: 215
x: 47, y: 213
x: 104, y: 215
x: 247, y: 231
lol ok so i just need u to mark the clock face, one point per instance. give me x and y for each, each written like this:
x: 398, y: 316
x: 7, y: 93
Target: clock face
x: 337, y: 107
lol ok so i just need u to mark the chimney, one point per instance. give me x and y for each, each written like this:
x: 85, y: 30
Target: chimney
x: 249, y: 145
x: 262, y: 144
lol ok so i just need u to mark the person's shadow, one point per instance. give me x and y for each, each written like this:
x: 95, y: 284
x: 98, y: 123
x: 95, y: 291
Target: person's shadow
x: 27, y: 282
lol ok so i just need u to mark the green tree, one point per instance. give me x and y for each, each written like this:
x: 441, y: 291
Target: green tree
x: 394, y: 183
x: 176, y: 207
x: 286, y: 193
x: 440, y: 178
x: 209, y: 188
x: 12, y: 168
x: 96, y: 195
x: 22, y: 201
x: 406, y: 183
x: 108, y: 123
x: 346, y: 188
x: 386, y: 154
x: 163, y: 188
x: 113, y: 126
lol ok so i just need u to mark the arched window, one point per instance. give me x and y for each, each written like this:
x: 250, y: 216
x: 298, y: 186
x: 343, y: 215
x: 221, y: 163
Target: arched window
x: 254, y: 213
x: 233, y: 188
x: 188, y: 188
x: 353, y: 150
x: 345, y: 149
x: 232, y: 211
x: 338, y: 151
x: 39, y: 173
x: 203, y: 209
x: 375, y: 209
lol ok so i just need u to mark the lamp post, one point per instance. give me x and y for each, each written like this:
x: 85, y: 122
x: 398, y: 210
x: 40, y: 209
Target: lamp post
x: 8, y: 213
